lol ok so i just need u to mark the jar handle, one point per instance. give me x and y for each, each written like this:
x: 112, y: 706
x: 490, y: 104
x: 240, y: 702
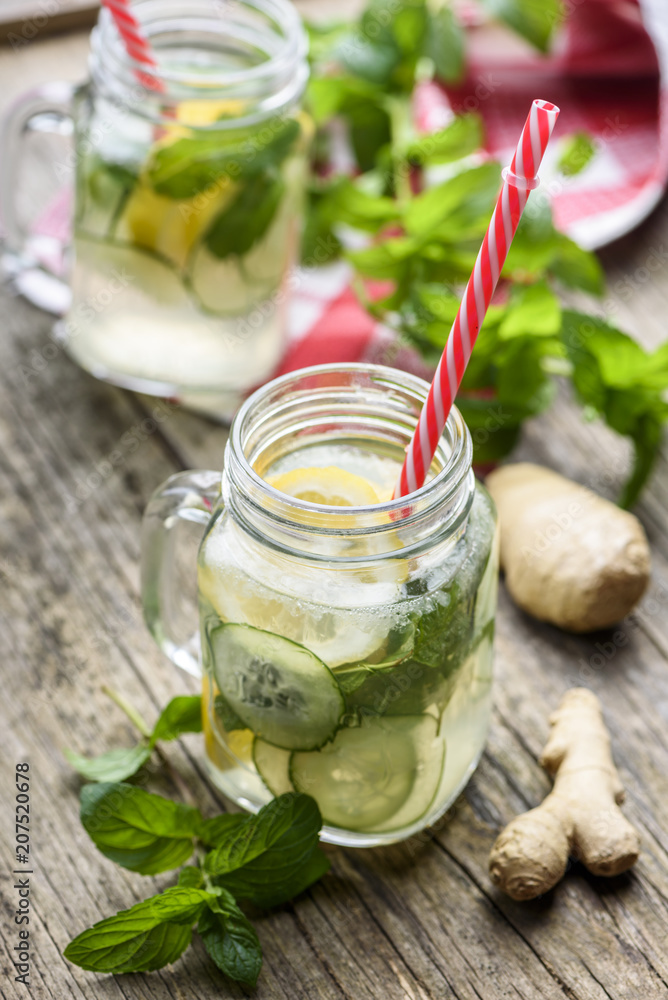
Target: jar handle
x: 184, y: 497
x: 47, y: 109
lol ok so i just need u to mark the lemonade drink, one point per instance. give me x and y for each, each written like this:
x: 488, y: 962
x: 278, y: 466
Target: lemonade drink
x: 189, y: 201
x: 188, y: 269
x: 368, y: 688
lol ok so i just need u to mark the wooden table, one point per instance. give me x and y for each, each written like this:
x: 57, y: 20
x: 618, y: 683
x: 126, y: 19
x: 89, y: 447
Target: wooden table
x: 420, y: 921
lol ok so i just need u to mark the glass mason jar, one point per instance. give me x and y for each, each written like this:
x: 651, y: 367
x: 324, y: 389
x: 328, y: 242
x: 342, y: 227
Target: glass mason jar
x: 346, y: 651
x: 188, y: 204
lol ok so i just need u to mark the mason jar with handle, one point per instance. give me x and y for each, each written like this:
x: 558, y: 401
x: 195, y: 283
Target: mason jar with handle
x: 345, y: 638
x: 189, y: 183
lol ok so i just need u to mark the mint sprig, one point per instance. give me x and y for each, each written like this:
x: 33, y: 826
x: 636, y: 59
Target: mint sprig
x: 146, y: 937
x: 265, y: 859
x: 424, y: 241
x: 182, y: 715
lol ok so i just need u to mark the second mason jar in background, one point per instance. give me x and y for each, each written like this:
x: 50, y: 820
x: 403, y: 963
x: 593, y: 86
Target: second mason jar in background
x: 188, y: 204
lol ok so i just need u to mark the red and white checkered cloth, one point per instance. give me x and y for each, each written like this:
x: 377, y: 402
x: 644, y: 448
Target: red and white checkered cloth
x: 608, y: 73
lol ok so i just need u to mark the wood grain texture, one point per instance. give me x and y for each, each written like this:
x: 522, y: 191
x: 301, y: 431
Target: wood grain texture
x: 418, y: 921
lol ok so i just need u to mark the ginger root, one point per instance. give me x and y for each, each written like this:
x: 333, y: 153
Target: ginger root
x: 570, y: 557
x: 581, y: 815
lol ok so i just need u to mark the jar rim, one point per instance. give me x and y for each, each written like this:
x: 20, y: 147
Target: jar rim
x: 441, y: 489
x: 276, y: 81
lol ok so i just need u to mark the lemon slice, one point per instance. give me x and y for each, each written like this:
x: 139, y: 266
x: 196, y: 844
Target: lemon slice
x: 206, y: 112
x: 171, y: 228
x: 327, y: 485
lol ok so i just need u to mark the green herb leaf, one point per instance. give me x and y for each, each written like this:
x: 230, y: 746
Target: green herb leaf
x: 247, y: 218
x: 461, y: 137
x: 148, y: 936
x: 181, y: 715
x: 191, y: 877
x: 469, y: 195
x: 577, y: 151
x: 138, y: 830
x: 217, y: 829
x: 624, y: 384
x: 273, y: 855
x: 183, y: 168
x: 445, y: 44
x: 116, y: 765
x: 535, y: 20
x: 577, y: 268
x: 349, y: 204
x: 230, y: 940
x: 535, y: 311
x: 535, y: 243
x: 228, y: 717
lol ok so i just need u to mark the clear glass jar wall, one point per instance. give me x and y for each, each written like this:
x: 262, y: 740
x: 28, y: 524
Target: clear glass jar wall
x: 347, y: 651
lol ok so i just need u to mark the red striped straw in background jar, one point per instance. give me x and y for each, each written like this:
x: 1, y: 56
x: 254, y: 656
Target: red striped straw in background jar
x: 518, y: 181
x: 136, y: 44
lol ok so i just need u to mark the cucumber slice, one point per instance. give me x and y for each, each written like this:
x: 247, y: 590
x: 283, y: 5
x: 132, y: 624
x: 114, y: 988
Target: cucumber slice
x: 218, y: 285
x: 273, y: 766
x: 382, y: 775
x: 279, y: 689
x: 407, y: 688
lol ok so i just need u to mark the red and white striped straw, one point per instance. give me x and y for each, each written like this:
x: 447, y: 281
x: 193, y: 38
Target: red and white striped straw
x: 136, y: 44
x: 517, y: 182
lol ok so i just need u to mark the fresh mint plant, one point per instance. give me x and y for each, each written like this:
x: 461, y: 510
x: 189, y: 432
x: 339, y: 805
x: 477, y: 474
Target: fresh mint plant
x: 423, y: 243
x: 265, y: 859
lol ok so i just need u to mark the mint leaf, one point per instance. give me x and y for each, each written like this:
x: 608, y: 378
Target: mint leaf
x: 116, y: 765
x: 624, y: 384
x: 461, y: 137
x: 349, y: 204
x: 228, y: 717
x: 534, y: 310
x: 148, y: 936
x: 270, y: 857
x: 230, y: 939
x: 217, y: 829
x: 535, y: 243
x: 445, y: 44
x: 534, y: 20
x: 577, y: 151
x: 247, y: 218
x: 191, y: 877
x: 138, y: 830
x: 468, y: 196
x: 575, y: 267
x: 181, y: 715
x: 184, y: 168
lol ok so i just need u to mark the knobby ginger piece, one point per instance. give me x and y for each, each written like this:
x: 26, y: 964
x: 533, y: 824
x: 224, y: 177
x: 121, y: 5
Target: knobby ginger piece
x: 570, y: 557
x: 581, y: 815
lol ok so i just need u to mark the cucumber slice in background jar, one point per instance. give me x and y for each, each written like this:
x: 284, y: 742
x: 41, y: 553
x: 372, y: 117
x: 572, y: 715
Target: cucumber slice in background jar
x: 273, y: 766
x: 279, y: 689
x: 376, y: 777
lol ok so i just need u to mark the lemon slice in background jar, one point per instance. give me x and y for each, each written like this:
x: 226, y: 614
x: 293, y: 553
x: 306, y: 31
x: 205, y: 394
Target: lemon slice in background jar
x: 169, y: 227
